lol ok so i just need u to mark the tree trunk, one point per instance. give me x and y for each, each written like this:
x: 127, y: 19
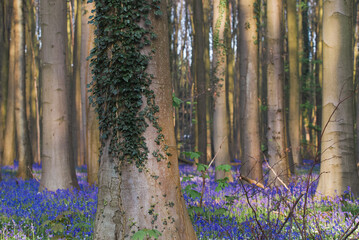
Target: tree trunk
x: 31, y: 75
x: 294, y: 83
x: 79, y: 133
x: 251, y: 160
x: 22, y: 131
x: 90, y: 120
x: 207, y: 64
x: 200, y: 80
x: 220, y: 126
x: 229, y: 79
x: 9, y: 153
x: 338, y: 164
x: 277, y: 154
x: 58, y: 171
x: 130, y: 200
x: 4, y: 69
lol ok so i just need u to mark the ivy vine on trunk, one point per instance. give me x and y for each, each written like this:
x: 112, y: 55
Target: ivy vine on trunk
x: 120, y: 81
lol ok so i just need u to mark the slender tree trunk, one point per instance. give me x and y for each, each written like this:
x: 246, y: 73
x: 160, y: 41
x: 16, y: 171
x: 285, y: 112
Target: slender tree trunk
x: 251, y: 160
x: 4, y: 69
x: 90, y: 120
x: 294, y: 90
x: 319, y: 80
x: 58, y: 170
x: 207, y: 64
x: 79, y: 133
x: 356, y: 81
x: 277, y: 154
x: 128, y: 199
x: 220, y: 126
x: 31, y: 74
x: 22, y: 132
x: 200, y: 80
x: 229, y: 79
x: 263, y: 53
x: 9, y: 153
x: 338, y: 164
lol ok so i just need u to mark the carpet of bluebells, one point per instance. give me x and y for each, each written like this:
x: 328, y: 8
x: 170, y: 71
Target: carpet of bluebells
x: 227, y: 210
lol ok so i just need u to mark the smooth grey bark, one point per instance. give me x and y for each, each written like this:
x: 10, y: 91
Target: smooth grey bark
x: 294, y: 90
x: 338, y: 170
x: 220, y: 122
x: 58, y: 170
x: 251, y: 159
x: 277, y: 154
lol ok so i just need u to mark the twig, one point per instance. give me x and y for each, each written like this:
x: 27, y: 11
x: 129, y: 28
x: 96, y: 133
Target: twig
x: 205, y: 172
x: 290, y: 212
x: 251, y: 181
x: 344, y: 235
x: 254, y: 211
x: 279, y: 179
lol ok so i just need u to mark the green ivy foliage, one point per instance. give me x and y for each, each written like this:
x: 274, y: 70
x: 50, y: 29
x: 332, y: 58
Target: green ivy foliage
x: 120, y: 82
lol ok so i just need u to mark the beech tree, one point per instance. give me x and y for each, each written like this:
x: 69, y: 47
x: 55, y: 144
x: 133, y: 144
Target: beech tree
x: 338, y: 164
x: 200, y: 79
x: 139, y: 185
x: 58, y: 170
x: 4, y: 67
x: 9, y: 152
x: 220, y: 115
x: 294, y: 90
x: 277, y: 154
x: 22, y: 131
x: 89, y: 115
x: 251, y: 158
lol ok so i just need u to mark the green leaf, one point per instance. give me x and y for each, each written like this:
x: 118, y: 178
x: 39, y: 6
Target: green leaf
x: 176, y: 102
x: 201, y: 167
x: 141, y: 234
x: 192, y: 155
x: 221, y: 211
x: 224, y: 167
x: 185, y: 179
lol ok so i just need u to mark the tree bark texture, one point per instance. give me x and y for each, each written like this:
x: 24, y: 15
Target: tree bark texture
x: 79, y: 133
x: 220, y: 126
x: 89, y: 120
x: 22, y: 131
x: 200, y: 80
x: 4, y: 68
x: 251, y: 160
x: 126, y: 196
x: 207, y: 64
x: 58, y: 170
x: 9, y: 153
x: 294, y: 84
x: 277, y: 154
x: 338, y: 164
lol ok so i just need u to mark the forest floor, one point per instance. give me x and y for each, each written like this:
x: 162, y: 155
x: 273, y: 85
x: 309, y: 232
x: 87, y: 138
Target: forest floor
x: 219, y: 210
